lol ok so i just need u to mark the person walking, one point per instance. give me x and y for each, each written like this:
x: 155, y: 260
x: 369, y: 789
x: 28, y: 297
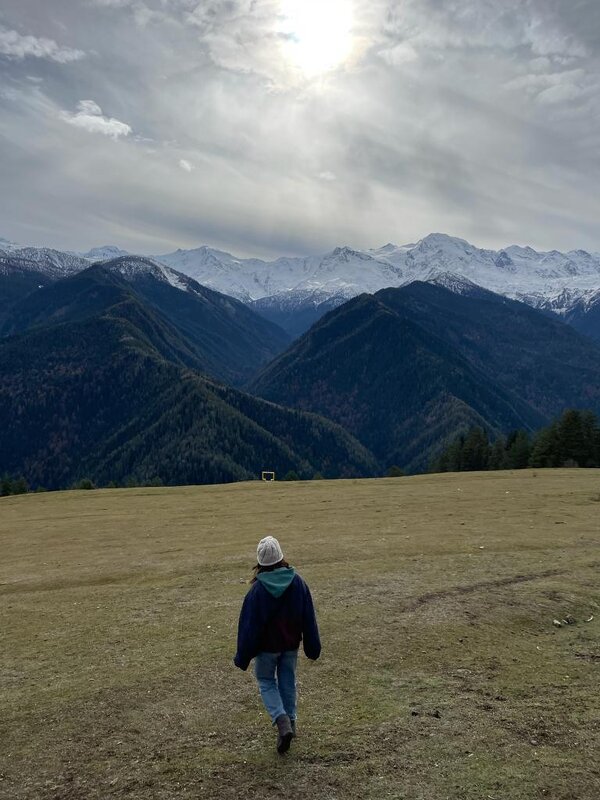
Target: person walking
x: 277, y: 614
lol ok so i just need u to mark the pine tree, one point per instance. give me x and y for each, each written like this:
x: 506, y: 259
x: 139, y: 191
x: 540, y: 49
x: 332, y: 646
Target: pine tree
x: 497, y: 457
x: 20, y: 486
x: 545, y: 451
x: 591, y: 437
x: 455, y: 455
x: 571, y: 438
x: 519, y: 450
x: 85, y: 483
x: 440, y: 464
x: 475, y: 451
x: 395, y: 472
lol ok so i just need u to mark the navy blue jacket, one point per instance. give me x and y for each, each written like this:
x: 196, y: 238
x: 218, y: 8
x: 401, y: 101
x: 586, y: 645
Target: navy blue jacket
x: 274, y: 624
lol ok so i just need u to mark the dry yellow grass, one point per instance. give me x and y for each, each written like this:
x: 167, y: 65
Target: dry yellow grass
x: 442, y: 675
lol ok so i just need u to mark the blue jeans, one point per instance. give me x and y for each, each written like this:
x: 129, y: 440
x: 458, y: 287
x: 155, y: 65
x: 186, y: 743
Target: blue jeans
x: 276, y: 676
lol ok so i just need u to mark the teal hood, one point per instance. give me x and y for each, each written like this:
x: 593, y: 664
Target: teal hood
x: 277, y: 580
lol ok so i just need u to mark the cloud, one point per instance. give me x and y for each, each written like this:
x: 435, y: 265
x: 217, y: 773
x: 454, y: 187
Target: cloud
x: 431, y: 27
x: 454, y: 115
x: 400, y: 54
x: 552, y: 88
x: 242, y: 36
x: 185, y: 165
x: 90, y: 118
x: 14, y: 45
x: 559, y: 93
x: 142, y: 13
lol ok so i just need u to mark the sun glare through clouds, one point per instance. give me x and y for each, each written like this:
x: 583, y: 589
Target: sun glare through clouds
x: 317, y: 33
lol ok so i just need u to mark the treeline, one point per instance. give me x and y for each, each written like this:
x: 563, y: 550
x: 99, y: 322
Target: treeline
x: 573, y: 440
x: 10, y: 485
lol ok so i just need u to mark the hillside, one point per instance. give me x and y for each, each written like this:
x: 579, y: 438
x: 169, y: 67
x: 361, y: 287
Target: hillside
x: 297, y: 313
x: 584, y: 315
x: 406, y: 368
x: 538, y: 358
x: 442, y: 674
x: 229, y: 340
x: 52, y: 263
x: 115, y: 394
x: 18, y: 278
x: 294, y: 292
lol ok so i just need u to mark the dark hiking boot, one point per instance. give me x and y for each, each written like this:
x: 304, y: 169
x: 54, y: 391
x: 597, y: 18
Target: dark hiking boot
x: 284, y: 733
x: 293, y: 724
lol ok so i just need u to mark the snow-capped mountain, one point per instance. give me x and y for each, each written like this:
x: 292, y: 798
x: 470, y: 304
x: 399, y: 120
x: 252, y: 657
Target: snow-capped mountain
x: 103, y: 253
x: 343, y: 272
x: 457, y: 284
x: 551, y: 281
x: 57, y: 263
x: 133, y: 268
x: 6, y: 246
x: 564, y: 301
x: 54, y: 264
x: 514, y: 271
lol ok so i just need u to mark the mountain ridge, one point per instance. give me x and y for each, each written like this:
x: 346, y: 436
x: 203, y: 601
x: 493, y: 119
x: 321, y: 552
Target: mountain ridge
x: 111, y: 390
x: 229, y: 340
x: 296, y: 291
x: 407, y: 367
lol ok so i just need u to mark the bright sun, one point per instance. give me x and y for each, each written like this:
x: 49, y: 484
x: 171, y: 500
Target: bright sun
x: 318, y: 33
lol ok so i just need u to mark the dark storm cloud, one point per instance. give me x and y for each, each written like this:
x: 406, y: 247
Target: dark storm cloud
x: 154, y: 124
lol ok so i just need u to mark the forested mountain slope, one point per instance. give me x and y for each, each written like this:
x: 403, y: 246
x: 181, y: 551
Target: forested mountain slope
x: 229, y: 340
x: 406, y: 369
x: 113, y: 393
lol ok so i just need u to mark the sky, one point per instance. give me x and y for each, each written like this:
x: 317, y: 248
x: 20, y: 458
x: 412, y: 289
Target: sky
x: 287, y: 127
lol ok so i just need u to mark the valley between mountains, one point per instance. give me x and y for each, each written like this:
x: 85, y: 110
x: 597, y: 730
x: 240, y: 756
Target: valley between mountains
x: 128, y: 369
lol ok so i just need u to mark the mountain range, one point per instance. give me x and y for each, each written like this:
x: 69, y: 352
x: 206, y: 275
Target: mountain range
x: 97, y: 380
x: 405, y: 369
x: 122, y: 368
x: 294, y: 292
x: 228, y: 340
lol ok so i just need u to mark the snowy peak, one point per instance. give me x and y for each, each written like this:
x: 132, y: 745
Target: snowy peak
x: 197, y: 258
x: 6, y: 246
x: 442, y: 241
x: 385, y: 250
x: 517, y: 272
x: 104, y: 253
x: 564, y: 301
x: 553, y: 264
x: 134, y: 268
x: 522, y: 252
x: 53, y: 263
x: 541, y: 278
x: 446, y: 252
x: 345, y: 254
x: 455, y: 283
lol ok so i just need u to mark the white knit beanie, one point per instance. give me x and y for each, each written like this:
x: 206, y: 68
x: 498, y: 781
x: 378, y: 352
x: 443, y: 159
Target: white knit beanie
x: 268, y: 551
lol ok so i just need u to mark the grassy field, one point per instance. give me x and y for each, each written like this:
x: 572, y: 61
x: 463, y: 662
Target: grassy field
x: 442, y: 674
